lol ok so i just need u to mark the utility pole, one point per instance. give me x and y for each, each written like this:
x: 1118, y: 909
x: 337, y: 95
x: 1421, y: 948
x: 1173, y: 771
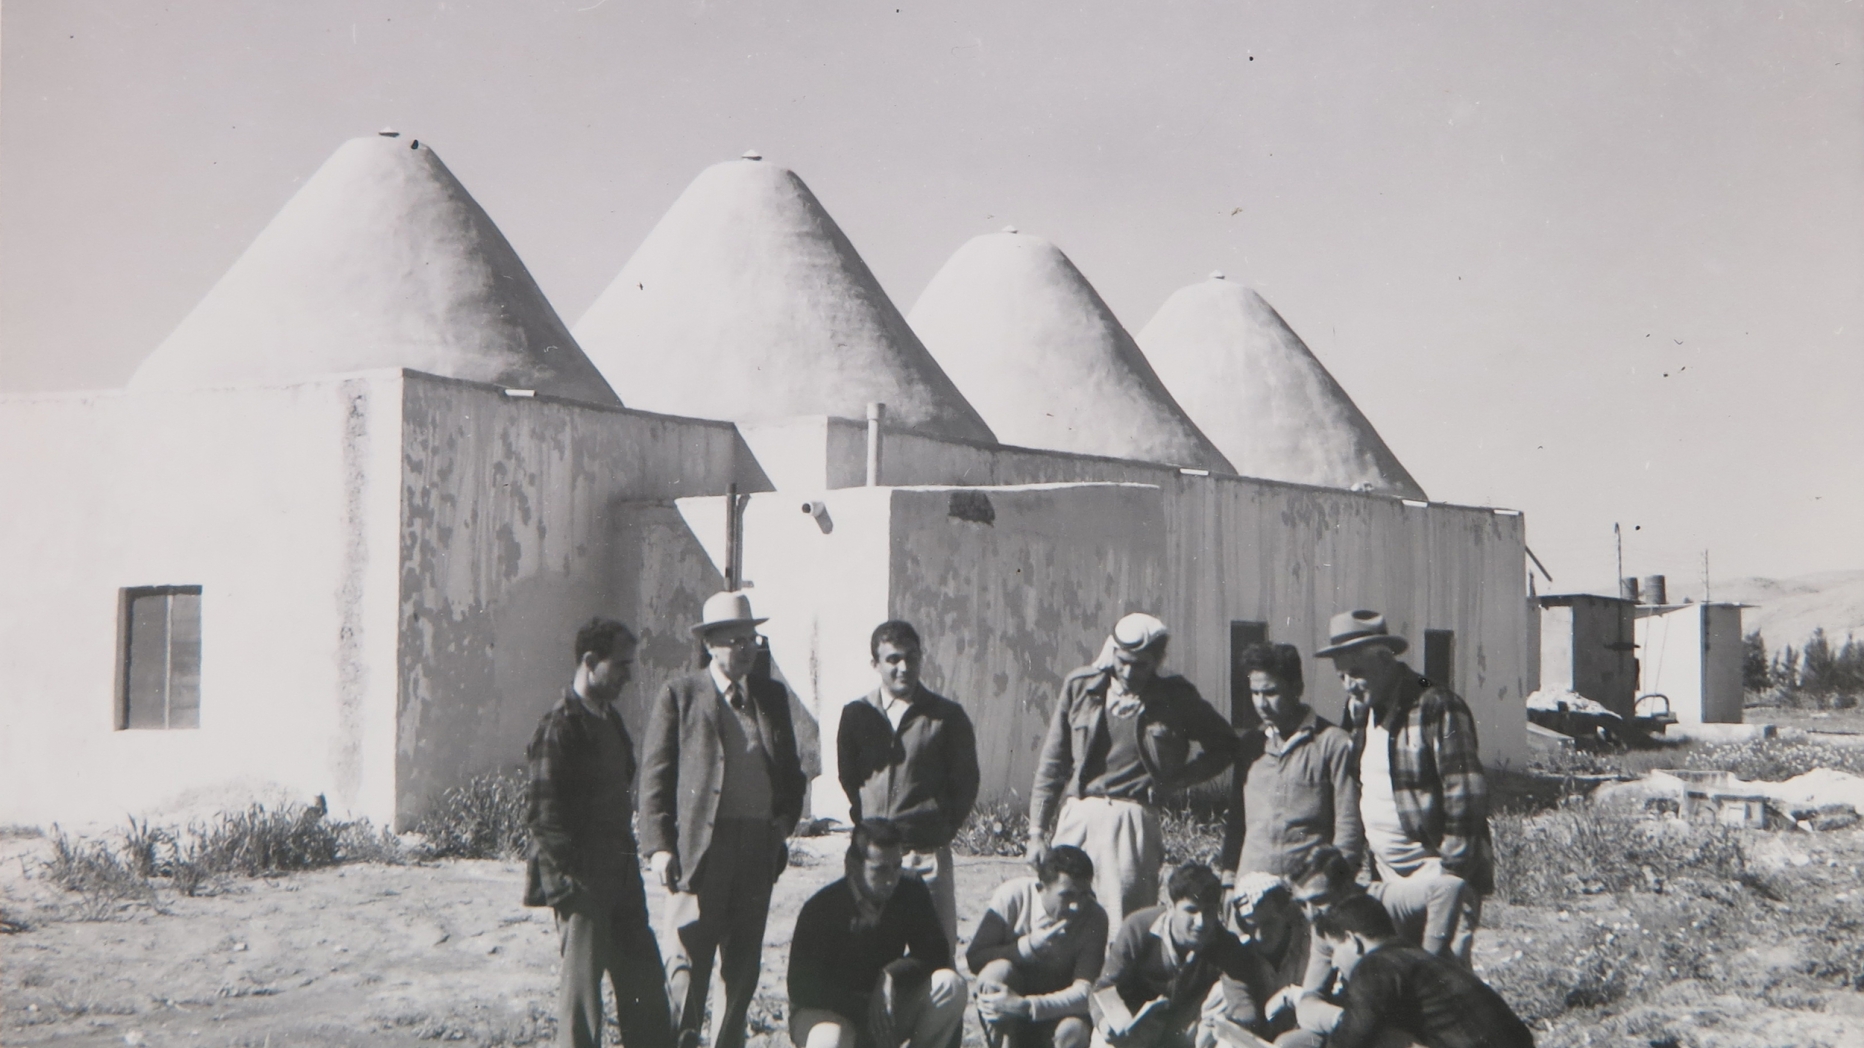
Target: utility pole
x: 1705, y: 576
x: 1619, y: 538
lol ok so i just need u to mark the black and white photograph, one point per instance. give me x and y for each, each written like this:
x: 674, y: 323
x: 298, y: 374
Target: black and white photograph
x: 760, y: 524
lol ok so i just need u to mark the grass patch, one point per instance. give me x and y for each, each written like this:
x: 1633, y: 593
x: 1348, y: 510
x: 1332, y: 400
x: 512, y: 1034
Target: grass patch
x: 110, y: 876
x: 1589, y: 849
x: 484, y: 819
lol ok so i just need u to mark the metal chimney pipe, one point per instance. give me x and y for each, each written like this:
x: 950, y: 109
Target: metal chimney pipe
x: 876, y: 411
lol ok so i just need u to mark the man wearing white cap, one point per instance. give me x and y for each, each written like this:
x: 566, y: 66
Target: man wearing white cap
x: 1119, y: 738
x: 721, y: 789
x: 1423, y: 797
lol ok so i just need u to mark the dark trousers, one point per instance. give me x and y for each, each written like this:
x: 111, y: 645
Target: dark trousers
x: 607, y: 931
x: 723, y: 915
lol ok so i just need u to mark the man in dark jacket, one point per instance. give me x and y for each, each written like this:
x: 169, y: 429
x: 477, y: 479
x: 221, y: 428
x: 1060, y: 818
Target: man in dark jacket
x: 1118, y: 740
x: 582, y: 858
x: 1398, y: 994
x: 908, y: 755
x: 869, y: 964
x: 1423, y: 798
x: 721, y: 790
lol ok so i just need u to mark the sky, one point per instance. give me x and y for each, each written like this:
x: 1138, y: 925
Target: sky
x: 1602, y: 262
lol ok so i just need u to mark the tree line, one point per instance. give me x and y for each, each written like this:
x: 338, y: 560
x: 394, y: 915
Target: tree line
x: 1830, y: 676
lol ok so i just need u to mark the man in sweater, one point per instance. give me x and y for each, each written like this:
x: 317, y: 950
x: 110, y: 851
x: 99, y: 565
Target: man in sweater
x: 1295, y: 787
x: 1397, y: 994
x: 582, y: 859
x: 1036, y: 954
x: 910, y: 756
x: 869, y: 964
x: 1119, y: 740
x: 721, y: 789
x: 1422, y: 794
x: 1174, y: 971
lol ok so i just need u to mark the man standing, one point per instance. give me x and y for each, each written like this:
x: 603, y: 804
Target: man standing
x: 908, y: 755
x: 1294, y: 787
x: 1120, y: 738
x: 1036, y: 954
x: 1422, y: 794
x: 582, y: 859
x: 721, y: 790
x: 869, y: 964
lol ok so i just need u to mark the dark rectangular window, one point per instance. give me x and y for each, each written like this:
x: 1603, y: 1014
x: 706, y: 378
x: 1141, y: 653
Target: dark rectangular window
x: 161, y: 652
x: 1440, y: 656
x: 1242, y: 635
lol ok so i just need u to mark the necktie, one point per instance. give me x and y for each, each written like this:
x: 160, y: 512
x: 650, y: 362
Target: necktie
x: 735, y: 696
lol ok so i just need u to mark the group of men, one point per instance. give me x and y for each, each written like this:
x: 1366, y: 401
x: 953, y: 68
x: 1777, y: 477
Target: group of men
x: 1285, y: 943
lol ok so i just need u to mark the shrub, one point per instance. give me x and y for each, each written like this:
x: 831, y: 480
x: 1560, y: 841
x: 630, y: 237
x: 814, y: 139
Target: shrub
x: 484, y: 819
x: 1001, y: 828
x: 1586, y: 849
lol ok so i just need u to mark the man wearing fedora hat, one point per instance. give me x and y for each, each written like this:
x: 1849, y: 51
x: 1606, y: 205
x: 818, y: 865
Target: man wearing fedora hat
x: 721, y: 789
x: 1120, y: 738
x: 1423, y: 798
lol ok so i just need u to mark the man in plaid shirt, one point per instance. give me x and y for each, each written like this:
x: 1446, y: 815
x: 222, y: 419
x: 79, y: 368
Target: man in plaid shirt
x: 1423, y: 798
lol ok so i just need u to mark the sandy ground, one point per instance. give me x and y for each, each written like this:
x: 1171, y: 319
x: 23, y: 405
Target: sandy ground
x: 362, y: 954
x: 400, y: 955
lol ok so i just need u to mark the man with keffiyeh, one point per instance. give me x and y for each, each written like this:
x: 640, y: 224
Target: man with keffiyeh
x: 1120, y: 738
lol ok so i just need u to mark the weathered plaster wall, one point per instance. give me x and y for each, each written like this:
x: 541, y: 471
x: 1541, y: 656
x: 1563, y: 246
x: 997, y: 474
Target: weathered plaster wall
x: 521, y: 518
x: 280, y: 502
x: 1013, y: 587
x: 1290, y: 555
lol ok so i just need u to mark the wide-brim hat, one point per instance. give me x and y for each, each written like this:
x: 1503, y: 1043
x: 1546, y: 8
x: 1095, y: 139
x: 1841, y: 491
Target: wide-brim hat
x: 1350, y: 630
x: 725, y: 608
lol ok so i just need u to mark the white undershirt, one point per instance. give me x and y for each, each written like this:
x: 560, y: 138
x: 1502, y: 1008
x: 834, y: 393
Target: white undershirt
x: 1385, y: 834
x: 895, y: 709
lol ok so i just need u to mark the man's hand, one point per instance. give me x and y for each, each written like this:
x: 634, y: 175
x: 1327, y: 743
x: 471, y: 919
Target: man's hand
x: 1048, y: 938
x: 1012, y: 1004
x: 666, y: 867
x: 1037, y: 851
x: 880, y: 1014
x: 1282, y: 1000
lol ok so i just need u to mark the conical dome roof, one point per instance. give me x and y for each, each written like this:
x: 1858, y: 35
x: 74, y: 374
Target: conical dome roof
x: 381, y: 260
x: 1030, y: 342
x: 1253, y: 385
x: 746, y: 302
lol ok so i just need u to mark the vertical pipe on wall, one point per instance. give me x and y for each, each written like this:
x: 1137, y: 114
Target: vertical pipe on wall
x: 875, y: 412
x: 731, y: 537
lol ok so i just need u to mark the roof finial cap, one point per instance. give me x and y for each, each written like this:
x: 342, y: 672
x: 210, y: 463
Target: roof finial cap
x: 389, y: 132
x: 750, y: 154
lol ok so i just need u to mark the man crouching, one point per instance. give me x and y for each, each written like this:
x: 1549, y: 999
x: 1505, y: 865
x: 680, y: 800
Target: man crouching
x: 1176, y: 977
x: 1036, y: 954
x: 869, y: 963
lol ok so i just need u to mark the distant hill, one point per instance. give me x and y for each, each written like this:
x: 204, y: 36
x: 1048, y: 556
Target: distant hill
x: 1786, y: 611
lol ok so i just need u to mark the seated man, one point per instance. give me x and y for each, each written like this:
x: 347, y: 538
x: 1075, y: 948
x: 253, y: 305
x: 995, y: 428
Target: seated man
x: 1397, y: 994
x: 1264, y: 914
x: 1426, y: 913
x: 1176, y: 977
x: 869, y: 961
x: 1037, y: 952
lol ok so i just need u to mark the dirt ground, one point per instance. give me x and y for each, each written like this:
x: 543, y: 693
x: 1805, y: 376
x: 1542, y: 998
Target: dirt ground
x: 399, y: 955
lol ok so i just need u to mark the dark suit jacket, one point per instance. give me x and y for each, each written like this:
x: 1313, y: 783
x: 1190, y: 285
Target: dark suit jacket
x: 683, y: 768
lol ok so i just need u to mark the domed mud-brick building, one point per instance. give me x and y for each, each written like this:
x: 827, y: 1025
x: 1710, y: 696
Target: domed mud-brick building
x: 337, y: 532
